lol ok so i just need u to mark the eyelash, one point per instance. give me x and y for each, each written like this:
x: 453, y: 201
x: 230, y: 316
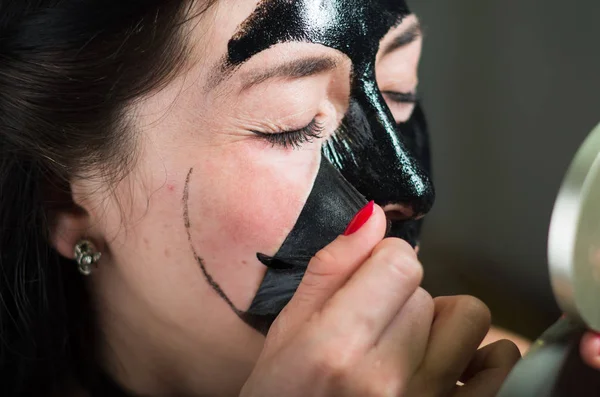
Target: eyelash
x: 401, y: 97
x: 295, y: 138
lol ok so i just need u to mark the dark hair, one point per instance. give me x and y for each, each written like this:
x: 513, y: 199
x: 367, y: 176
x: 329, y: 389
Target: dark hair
x: 68, y: 70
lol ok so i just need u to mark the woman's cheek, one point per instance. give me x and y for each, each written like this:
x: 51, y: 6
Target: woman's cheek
x: 245, y: 204
x: 264, y: 198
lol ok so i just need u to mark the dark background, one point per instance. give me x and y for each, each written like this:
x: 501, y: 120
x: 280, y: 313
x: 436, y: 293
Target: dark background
x: 511, y: 89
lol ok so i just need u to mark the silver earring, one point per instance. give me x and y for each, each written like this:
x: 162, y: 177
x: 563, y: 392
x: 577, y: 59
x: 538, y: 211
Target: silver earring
x: 86, y: 256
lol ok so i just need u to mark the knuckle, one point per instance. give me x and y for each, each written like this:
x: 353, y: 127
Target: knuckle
x: 325, y: 262
x: 474, y: 310
x: 334, y: 362
x: 510, y: 351
x: 424, y: 296
x: 406, y: 269
x: 401, y: 259
x: 425, y: 302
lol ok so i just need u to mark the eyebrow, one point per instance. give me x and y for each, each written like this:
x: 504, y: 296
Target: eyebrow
x: 303, y: 67
x: 294, y: 69
x: 408, y: 36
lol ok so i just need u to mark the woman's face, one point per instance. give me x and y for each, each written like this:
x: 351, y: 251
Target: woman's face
x: 228, y: 155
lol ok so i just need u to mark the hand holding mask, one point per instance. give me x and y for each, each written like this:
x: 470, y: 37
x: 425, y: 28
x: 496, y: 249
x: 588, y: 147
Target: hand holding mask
x: 360, y: 325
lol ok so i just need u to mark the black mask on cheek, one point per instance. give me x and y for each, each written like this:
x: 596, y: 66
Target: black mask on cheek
x: 369, y: 157
x: 329, y: 208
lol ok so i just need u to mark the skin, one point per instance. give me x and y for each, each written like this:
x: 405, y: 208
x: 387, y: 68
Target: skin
x: 355, y: 340
x: 590, y: 349
x: 496, y: 334
x: 164, y: 329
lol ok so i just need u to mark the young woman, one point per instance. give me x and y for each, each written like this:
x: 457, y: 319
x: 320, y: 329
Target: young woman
x: 174, y: 176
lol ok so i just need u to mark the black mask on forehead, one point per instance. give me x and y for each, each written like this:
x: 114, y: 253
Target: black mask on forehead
x: 368, y: 149
x: 368, y: 158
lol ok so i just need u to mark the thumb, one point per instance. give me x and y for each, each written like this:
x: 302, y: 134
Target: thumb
x: 332, y: 266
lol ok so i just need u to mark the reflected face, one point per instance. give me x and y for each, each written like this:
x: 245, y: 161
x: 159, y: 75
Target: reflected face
x: 290, y: 117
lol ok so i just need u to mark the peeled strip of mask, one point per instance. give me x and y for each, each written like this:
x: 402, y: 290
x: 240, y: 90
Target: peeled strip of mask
x: 331, y: 205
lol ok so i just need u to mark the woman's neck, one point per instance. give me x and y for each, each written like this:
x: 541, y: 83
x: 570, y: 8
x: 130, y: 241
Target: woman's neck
x: 151, y: 357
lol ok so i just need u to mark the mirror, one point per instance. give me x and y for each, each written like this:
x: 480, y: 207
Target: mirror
x: 553, y: 366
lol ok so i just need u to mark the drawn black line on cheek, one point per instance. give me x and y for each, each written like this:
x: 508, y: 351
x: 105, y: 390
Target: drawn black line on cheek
x: 331, y: 204
x: 186, y: 221
x: 257, y: 322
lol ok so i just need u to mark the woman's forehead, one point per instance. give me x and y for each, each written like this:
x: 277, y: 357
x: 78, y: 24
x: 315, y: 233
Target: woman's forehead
x: 354, y: 27
x: 238, y: 30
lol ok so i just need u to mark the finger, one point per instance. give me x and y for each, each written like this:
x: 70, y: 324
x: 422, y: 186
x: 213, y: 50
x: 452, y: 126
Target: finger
x: 502, y: 354
x: 496, y: 333
x: 402, y: 345
x: 387, y: 369
x: 488, y: 370
x: 332, y: 266
x: 459, y: 325
x: 374, y: 295
x: 589, y: 349
x: 486, y: 383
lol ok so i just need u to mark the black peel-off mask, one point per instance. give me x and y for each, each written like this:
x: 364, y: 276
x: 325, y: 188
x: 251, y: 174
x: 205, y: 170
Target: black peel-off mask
x: 369, y: 157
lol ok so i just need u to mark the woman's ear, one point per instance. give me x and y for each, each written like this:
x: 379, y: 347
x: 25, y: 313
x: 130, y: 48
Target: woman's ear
x: 68, y: 226
x: 69, y: 223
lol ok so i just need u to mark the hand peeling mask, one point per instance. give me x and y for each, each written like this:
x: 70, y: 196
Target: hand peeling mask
x: 369, y: 157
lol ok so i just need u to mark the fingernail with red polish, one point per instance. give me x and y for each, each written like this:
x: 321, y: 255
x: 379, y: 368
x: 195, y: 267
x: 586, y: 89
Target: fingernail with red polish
x: 360, y: 218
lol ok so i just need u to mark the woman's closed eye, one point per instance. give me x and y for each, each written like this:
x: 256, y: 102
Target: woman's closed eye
x: 294, y: 139
x: 401, y: 97
x: 401, y: 104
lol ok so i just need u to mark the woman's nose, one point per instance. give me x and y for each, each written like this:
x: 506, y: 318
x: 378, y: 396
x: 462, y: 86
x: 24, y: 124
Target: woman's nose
x: 402, y: 201
x: 375, y: 157
x: 385, y: 173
